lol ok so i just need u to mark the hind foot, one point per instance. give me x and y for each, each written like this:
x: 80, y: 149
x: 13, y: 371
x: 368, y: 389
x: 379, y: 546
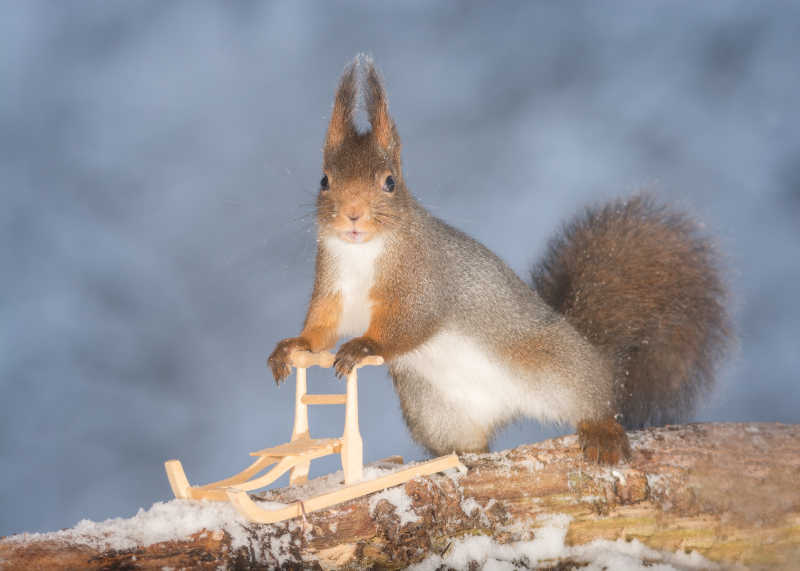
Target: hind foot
x: 603, y: 441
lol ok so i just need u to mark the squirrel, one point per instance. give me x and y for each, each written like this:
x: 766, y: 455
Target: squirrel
x: 622, y: 325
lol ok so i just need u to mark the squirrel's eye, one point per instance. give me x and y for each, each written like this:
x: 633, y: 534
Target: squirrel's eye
x: 388, y: 185
x: 323, y: 184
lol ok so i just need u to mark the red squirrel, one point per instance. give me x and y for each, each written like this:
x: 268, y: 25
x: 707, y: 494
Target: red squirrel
x: 621, y: 327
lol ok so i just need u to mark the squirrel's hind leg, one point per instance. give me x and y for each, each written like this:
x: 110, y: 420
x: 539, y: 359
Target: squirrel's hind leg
x: 603, y: 441
x: 435, y: 422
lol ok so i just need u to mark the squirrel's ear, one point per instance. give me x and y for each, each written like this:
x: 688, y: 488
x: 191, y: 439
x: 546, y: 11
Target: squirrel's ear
x: 383, y: 128
x: 341, y: 124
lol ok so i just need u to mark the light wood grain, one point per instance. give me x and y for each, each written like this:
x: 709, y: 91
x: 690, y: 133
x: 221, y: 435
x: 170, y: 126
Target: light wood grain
x: 352, y: 445
x: 250, y: 509
x: 325, y: 359
x: 213, y: 491
x: 299, y: 472
x: 303, y: 447
x: 295, y: 456
x: 305, y: 359
x: 325, y: 399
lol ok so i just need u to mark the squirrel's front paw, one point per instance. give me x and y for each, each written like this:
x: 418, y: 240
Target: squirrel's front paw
x: 603, y: 441
x: 352, y: 352
x: 279, y: 360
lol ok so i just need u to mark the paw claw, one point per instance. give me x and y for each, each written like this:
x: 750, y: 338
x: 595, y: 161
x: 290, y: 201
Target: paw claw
x: 279, y: 359
x: 351, y: 353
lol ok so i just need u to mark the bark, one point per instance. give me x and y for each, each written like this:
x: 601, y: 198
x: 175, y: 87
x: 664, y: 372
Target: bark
x: 729, y: 491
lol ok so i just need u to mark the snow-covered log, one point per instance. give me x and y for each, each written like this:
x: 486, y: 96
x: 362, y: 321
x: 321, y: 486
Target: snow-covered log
x: 691, y: 495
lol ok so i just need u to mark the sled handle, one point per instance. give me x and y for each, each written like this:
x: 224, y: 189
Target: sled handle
x: 352, y: 447
x: 325, y: 359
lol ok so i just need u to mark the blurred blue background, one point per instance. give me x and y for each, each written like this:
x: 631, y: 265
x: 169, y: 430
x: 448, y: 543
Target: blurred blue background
x: 158, y: 166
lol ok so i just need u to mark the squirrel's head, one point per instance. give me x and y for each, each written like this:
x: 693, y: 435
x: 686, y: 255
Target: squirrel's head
x: 362, y: 192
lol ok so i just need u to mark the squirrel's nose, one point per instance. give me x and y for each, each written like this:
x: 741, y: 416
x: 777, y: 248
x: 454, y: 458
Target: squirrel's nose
x: 354, y: 211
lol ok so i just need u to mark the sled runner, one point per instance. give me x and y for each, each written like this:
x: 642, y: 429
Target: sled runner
x: 296, y: 455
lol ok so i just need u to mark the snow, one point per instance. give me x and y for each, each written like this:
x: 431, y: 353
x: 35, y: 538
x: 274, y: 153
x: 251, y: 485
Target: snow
x: 548, y: 546
x: 655, y: 482
x: 179, y: 519
x: 280, y: 546
x: 176, y: 520
x: 469, y: 505
x: 398, y: 497
x: 164, y: 521
x: 331, y: 482
x: 455, y: 474
x: 532, y: 464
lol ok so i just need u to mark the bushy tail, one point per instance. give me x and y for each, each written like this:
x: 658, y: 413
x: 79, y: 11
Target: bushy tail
x: 641, y: 283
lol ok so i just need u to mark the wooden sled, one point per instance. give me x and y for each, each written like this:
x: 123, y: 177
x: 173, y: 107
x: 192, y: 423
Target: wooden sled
x: 295, y: 456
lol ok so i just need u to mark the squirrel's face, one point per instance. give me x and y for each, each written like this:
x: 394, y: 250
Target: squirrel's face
x: 361, y: 191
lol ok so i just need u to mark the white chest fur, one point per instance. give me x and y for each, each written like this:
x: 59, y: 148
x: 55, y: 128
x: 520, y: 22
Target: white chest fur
x: 481, y: 386
x: 354, y: 276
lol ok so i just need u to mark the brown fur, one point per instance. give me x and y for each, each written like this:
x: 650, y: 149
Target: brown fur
x: 279, y: 358
x: 341, y: 125
x: 642, y: 284
x: 603, y: 441
x: 322, y: 321
x: 634, y: 323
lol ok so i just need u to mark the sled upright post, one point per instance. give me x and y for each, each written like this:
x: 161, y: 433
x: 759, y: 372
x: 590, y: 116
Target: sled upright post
x: 295, y: 456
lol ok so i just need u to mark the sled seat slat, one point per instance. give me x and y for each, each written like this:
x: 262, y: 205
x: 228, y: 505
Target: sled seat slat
x: 324, y: 399
x: 303, y: 447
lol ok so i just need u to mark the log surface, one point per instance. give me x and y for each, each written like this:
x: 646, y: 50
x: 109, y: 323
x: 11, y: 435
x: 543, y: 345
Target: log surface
x: 729, y: 491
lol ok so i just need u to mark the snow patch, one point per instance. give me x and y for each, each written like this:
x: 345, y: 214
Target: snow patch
x: 399, y: 499
x: 455, y: 474
x: 329, y: 483
x: 177, y: 520
x: 656, y: 482
x: 164, y: 521
x: 469, y: 505
x: 279, y: 548
x: 548, y: 547
x: 532, y: 464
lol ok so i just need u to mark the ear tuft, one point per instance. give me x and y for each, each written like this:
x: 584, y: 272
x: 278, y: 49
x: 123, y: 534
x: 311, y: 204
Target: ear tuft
x: 341, y: 124
x: 383, y: 128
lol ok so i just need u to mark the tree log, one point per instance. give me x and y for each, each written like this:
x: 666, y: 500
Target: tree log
x: 729, y: 491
